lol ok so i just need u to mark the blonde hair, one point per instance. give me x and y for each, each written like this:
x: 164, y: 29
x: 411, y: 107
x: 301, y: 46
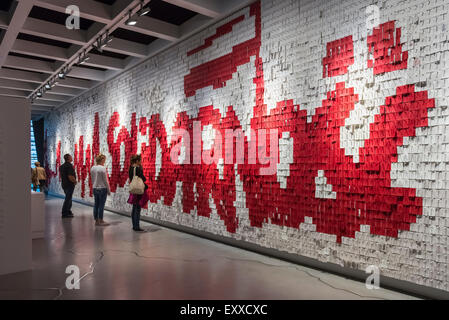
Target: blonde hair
x: 100, y: 158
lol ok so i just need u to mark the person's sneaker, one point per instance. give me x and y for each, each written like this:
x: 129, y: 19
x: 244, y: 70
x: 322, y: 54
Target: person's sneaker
x: 67, y: 216
x: 139, y: 230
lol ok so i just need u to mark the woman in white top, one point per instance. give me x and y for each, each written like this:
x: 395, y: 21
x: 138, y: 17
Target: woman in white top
x: 101, y: 188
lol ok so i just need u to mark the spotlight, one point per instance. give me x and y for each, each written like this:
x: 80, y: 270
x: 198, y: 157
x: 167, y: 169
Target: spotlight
x: 107, y: 39
x: 103, y: 41
x: 131, y: 21
x: 62, y: 74
x: 143, y: 10
x: 99, y: 45
x: 39, y: 94
x: 83, y: 58
x: 48, y: 86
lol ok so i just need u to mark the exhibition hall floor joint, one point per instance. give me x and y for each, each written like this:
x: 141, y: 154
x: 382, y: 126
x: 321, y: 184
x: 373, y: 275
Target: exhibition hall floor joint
x: 116, y: 263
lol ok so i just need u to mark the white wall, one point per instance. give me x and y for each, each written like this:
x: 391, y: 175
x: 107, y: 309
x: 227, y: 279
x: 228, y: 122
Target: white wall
x: 15, y: 222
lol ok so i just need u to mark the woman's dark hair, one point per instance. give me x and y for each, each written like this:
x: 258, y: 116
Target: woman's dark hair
x: 135, y: 158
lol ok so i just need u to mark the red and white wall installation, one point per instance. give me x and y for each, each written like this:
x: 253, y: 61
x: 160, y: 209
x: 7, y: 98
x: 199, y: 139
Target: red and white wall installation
x: 362, y: 176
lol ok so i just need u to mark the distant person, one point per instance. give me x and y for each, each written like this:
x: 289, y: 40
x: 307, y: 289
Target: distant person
x: 34, y: 180
x: 68, y: 182
x: 138, y: 201
x: 101, y: 188
x: 41, y: 176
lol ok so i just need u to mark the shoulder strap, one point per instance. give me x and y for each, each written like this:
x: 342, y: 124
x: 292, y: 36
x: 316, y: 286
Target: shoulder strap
x: 135, y: 171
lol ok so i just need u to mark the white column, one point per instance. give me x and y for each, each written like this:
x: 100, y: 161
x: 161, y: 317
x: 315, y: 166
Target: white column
x: 15, y: 218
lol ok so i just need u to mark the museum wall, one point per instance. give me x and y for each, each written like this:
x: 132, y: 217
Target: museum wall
x: 318, y: 128
x: 15, y: 182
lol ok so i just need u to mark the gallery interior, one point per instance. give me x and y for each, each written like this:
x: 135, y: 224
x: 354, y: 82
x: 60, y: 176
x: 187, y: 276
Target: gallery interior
x: 224, y: 150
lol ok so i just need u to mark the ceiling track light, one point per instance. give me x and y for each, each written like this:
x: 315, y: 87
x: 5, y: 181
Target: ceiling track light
x: 100, y: 44
x: 144, y: 10
x: 102, y: 41
x: 62, y: 73
x: 131, y: 21
x: 107, y: 38
x: 83, y: 58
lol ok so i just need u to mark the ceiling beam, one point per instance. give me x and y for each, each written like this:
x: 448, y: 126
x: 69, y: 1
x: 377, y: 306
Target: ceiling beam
x: 40, y: 50
x: 48, y: 67
x: 89, y: 74
x: 4, y: 20
x: 29, y: 64
x: 105, y: 62
x: 89, y: 9
x: 45, y: 102
x: 48, y: 96
x: 18, y: 19
x: 54, y: 31
x: 156, y: 28
x: 39, y: 108
x: 61, y: 54
x: 63, y: 91
x: 13, y: 93
x: 20, y: 75
x: 76, y: 83
x: 129, y: 48
x: 17, y: 85
x: 208, y: 8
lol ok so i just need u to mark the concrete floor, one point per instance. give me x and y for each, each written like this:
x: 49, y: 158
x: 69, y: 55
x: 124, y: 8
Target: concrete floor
x: 116, y: 263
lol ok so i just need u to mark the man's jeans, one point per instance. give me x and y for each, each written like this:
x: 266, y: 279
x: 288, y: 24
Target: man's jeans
x: 67, y: 206
x: 100, y: 196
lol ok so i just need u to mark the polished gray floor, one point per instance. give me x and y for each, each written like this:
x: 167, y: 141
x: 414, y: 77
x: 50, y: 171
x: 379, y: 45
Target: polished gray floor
x: 116, y: 263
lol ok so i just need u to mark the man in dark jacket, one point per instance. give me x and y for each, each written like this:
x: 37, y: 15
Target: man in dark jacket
x: 68, y: 181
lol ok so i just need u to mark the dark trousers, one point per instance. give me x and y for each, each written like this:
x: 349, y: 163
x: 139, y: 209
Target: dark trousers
x: 135, y: 216
x: 67, y: 206
x: 100, y: 196
x: 42, y: 185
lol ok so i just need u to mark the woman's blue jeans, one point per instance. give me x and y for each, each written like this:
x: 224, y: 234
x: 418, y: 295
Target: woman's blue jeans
x: 100, y: 196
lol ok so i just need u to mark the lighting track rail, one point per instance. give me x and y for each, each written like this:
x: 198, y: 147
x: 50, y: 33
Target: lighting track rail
x: 98, y: 43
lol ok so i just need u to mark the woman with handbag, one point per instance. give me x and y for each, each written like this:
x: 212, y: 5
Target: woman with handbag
x: 138, y: 196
